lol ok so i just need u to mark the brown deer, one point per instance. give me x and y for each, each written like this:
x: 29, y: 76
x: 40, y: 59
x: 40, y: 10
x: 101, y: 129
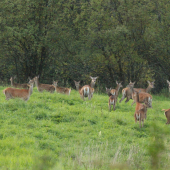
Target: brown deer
x: 62, y: 90
x: 140, y: 110
x: 19, y: 93
x: 167, y: 114
x: 116, y: 91
x: 87, y: 90
x: 168, y: 85
x: 127, y: 92
x: 108, y: 91
x: 147, y: 90
x: 112, y: 101
x: 114, y: 96
x: 143, y: 97
x: 77, y: 84
x: 78, y: 87
x: 16, y: 85
x: 42, y: 87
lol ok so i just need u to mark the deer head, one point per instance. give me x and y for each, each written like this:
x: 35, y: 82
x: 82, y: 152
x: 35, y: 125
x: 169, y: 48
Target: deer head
x: 77, y: 84
x: 151, y: 84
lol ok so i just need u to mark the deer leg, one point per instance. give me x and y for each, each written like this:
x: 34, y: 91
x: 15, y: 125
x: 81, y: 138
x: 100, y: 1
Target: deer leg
x: 128, y: 98
x: 114, y: 106
x: 109, y: 107
x: 135, y: 118
x: 132, y: 103
x: 121, y: 99
x: 142, y: 122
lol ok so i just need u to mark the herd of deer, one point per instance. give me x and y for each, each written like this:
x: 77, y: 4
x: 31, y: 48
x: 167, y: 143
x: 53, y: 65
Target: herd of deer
x: 141, y: 96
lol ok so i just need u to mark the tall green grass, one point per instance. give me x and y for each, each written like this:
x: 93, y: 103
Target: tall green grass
x: 55, y: 131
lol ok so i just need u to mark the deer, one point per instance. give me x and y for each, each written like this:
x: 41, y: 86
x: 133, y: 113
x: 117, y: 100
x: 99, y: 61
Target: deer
x: 108, y: 91
x: 87, y: 90
x: 19, y: 93
x: 167, y: 114
x: 112, y: 101
x: 168, y: 85
x: 42, y: 87
x: 114, y: 95
x: 62, y: 90
x: 147, y: 90
x: 140, y: 110
x: 116, y: 91
x: 127, y: 92
x: 16, y: 85
x: 143, y: 97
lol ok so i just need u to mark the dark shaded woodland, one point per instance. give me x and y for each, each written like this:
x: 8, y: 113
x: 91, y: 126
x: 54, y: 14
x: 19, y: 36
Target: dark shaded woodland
x: 70, y: 40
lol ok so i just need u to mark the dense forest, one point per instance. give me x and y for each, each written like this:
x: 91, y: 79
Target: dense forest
x: 70, y: 40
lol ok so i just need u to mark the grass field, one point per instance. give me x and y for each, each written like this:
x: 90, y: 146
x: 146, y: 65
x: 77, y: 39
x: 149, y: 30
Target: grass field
x: 55, y: 131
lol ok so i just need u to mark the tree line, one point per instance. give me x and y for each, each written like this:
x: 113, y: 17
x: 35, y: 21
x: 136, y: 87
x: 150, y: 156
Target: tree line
x: 70, y: 40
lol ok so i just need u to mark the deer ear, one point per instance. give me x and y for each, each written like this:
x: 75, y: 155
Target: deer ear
x: 117, y: 82
x: 134, y: 82
x: 148, y: 82
x: 91, y: 77
x: 168, y: 82
x: 97, y: 77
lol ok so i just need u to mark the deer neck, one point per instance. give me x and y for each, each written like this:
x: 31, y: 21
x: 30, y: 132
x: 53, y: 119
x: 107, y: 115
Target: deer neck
x: 12, y: 82
x: 92, y: 84
x: 148, y: 89
x: 30, y: 89
x: 117, y: 89
x: 37, y: 83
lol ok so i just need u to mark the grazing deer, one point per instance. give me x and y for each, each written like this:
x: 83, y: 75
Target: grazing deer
x: 127, y: 92
x: 167, y: 114
x: 16, y: 85
x: 140, y: 110
x: 168, y: 85
x: 146, y: 91
x: 19, y: 93
x: 62, y: 90
x: 42, y: 87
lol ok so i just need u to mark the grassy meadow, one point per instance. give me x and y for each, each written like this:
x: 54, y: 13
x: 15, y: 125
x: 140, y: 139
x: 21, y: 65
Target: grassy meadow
x: 60, y: 132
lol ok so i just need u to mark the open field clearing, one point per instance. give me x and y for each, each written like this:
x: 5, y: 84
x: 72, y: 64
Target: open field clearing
x: 55, y: 131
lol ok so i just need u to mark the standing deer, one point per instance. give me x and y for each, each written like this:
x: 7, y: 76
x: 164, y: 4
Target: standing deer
x: 19, y: 93
x: 112, y: 101
x: 143, y: 97
x: 16, y: 85
x: 62, y: 90
x: 108, y: 91
x: 140, y: 110
x: 116, y: 91
x: 87, y: 90
x: 168, y: 85
x: 127, y: 92
x: 42, y: 87
x: 146, y: 91
x: 114, y: 95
